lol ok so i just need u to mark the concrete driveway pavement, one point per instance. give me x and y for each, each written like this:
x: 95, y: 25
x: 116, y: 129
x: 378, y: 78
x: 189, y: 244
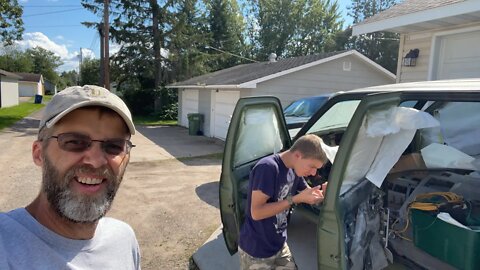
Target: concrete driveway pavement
x: 166, y: 142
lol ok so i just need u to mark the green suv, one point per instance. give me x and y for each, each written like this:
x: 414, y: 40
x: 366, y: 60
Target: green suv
x: 403, y: 183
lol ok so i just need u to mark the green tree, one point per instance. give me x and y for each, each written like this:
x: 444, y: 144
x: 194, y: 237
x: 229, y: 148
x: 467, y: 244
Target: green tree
x: 45, y: 62
x: 188, y: 55
x: 226, y: 26
x: 69, y: 78
x: 132, y: 28
x: 144, y: 30
x: 14, y: 60
x: 90, y: 71
x: 381, y: 47
x: 294, y: 28
x: 11, y: 23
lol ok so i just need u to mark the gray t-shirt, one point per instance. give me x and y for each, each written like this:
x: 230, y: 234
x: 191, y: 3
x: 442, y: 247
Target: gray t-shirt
x: 27, y: 244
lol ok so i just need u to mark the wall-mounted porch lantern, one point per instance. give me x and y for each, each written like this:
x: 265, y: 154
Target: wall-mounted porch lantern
x: 410, y: 60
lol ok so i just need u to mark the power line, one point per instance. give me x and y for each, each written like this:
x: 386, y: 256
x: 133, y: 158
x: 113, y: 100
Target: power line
x: 48, y: 6
x: 53, y: 26
x: 52, y: 12
x: 236, y: 55
x: 94, y: 41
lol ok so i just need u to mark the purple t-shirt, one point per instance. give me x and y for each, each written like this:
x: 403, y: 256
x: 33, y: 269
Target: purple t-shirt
x: 264, y: 238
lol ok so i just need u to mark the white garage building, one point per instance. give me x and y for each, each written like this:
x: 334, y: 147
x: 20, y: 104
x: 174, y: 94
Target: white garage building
x: 446, y: 34
x: 8, y: 89
x: 215, y: 94
x: 30, y: 84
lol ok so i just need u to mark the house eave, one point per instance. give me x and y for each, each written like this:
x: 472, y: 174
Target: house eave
x: 445, y: 16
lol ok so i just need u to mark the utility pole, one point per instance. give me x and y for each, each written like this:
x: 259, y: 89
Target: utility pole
x: 106, y: 55
x: 80, y: 62
x: 101, y: 79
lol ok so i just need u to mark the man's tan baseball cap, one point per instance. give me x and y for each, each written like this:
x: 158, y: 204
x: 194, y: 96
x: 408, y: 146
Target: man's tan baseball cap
x: 76, y: 97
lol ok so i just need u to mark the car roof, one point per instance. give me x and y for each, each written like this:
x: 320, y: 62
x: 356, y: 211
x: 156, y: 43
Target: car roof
x: 315, y: 97
x: 440, y: 85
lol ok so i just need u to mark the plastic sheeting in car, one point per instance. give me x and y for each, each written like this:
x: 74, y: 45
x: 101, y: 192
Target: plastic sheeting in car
x: 382, y: 138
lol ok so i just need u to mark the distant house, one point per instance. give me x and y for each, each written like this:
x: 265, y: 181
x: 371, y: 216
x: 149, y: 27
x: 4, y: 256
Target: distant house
x: 50, y: 88
x: 215, y: 94
x: 8, y: 89
x: 30, y: 84
x: 442, y: 36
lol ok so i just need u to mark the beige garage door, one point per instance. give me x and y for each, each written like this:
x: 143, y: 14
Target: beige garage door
x: 459, y: 56
x: 224, y: 104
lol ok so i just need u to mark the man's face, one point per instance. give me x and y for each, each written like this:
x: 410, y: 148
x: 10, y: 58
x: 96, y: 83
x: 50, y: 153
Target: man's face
x: 306, y: 166
x: 81, y: 186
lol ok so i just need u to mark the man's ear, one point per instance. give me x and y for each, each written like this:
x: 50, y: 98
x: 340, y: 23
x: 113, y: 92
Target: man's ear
x: 37, y: 153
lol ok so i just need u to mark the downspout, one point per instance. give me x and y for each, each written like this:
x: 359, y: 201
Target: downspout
x: 400, y: 58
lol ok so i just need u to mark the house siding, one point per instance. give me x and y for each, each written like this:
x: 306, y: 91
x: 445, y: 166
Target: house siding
x: 424, y: 42
x: 9, y: 92
x: 321, y: 79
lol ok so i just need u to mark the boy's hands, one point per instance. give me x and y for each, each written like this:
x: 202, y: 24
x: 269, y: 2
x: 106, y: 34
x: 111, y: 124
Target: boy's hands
x: 309, y: 195
x: 324, y: 187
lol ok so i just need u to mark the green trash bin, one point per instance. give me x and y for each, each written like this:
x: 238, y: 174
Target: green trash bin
x: 195, y: 123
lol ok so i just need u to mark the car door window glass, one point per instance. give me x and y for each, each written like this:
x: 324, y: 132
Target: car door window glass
x: 258, y: 135
x: 338, y: 116
x: 304, y: 107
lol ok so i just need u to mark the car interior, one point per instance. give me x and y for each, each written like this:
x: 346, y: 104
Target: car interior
x: 426, y: 212
x: 395, y: 222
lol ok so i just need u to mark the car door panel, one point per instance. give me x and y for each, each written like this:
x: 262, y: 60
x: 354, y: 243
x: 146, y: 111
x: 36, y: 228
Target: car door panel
x: 330, y: 229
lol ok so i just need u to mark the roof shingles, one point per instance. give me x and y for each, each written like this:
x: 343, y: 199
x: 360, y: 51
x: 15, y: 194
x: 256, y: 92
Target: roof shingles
x: 248, y: 72
x: 29, y: 77
x: 9, y: 74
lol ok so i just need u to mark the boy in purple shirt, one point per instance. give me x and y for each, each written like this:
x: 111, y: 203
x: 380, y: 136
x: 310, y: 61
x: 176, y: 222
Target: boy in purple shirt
x: 276, y: 183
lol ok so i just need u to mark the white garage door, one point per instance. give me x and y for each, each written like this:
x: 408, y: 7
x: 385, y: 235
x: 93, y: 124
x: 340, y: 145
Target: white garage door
x: 224, y: 104
x: 459, y: 56
x: 189, y: 105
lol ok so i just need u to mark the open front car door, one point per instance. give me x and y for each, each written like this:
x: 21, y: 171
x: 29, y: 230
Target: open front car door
x: 257, y: 129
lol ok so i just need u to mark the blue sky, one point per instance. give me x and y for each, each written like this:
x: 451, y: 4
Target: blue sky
x: 56, y: 25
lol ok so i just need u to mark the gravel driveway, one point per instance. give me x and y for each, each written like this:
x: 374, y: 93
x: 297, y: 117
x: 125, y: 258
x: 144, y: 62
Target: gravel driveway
x: 169, y: 194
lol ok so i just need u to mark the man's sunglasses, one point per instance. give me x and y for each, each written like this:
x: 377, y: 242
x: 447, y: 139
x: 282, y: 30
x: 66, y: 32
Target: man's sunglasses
x: 76, y: 142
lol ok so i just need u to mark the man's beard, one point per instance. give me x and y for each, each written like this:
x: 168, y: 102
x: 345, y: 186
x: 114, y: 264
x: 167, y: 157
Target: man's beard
x: 75, y: 207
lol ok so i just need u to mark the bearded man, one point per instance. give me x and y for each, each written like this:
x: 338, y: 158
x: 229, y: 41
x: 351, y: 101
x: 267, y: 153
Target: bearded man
x: 83, y: 148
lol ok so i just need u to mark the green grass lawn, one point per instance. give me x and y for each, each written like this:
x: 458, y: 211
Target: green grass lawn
x: 10, y: 115
x: 153, y: 121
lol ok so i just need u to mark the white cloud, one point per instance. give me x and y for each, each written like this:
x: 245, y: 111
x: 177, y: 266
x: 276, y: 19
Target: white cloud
x: 59, y: 37
x: 87, y: 53
x: 38, y: 39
